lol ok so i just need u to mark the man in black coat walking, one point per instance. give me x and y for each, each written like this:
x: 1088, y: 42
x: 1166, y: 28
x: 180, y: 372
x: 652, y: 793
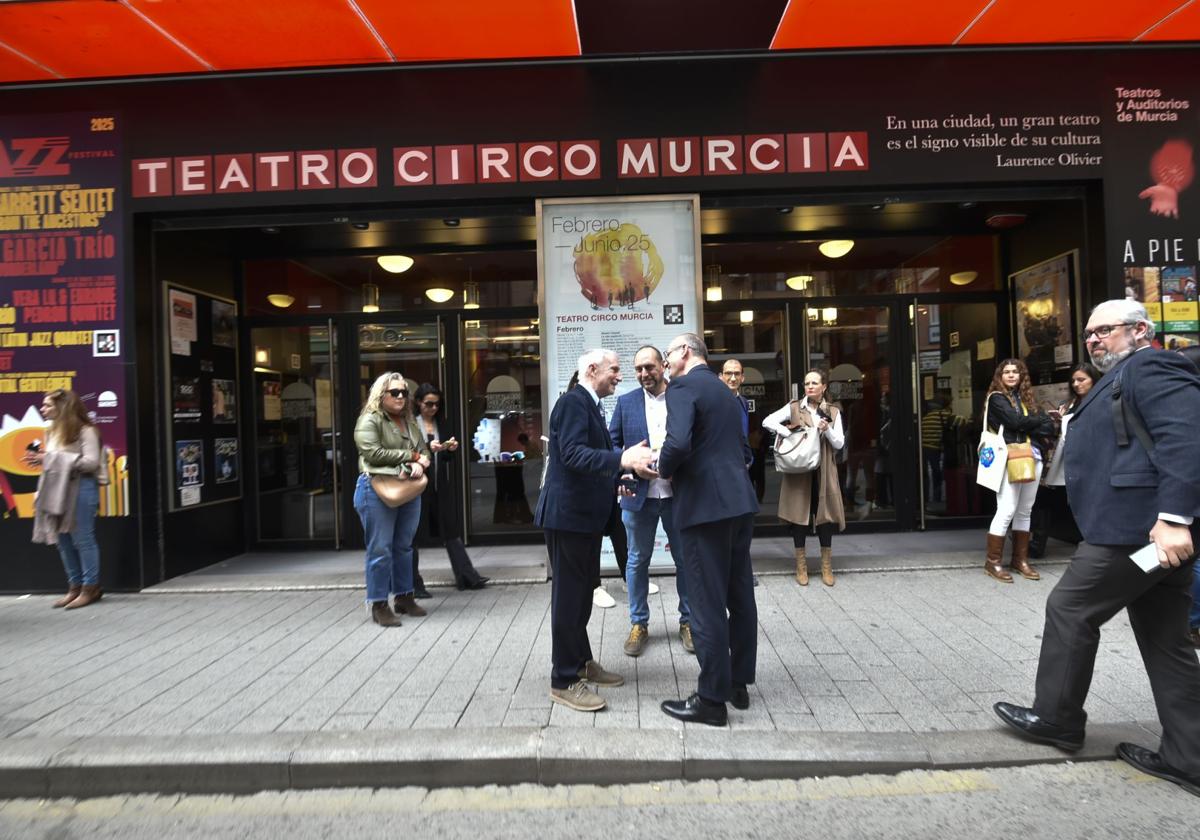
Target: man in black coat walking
x: 706, y: 455
x: 1130, y: 460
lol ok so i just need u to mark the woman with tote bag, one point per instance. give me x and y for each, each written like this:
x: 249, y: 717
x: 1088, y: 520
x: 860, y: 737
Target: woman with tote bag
x: 812, y: 499
x: 1012, y: 412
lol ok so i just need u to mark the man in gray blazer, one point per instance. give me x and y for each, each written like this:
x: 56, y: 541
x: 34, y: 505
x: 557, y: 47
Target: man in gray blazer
x: 1131, y: 457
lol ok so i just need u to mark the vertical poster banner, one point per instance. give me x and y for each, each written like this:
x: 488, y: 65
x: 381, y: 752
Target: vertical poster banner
x: 61, y: 286
x: 616, y: 274
x: 1152, y: 200
x: 1044, y: 305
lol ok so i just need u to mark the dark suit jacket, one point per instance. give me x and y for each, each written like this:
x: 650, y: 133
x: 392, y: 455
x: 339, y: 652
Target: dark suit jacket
x: 705, y: 454
x: 1116, y: 493
x: 628, y: 427
x: 583, y: 466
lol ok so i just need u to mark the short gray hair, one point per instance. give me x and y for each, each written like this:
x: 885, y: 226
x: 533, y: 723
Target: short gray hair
x: 694, y: 343
x: 1129, y: 312
x: 595, y: 357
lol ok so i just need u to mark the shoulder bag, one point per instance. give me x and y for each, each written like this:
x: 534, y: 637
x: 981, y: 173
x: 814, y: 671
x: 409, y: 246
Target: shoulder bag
x: 799, y: 452
x: 1021, y: 466
x: 993, y: 455
x: 395, y: 490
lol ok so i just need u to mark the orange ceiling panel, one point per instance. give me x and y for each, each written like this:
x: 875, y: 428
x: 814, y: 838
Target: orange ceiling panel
x: 14, y: 66
x: 239, y: 34
x: 817, y: 24
x: 81, y: 38
x: 1182, y: 26
x: 475, y: 29
x: 1067, y: 21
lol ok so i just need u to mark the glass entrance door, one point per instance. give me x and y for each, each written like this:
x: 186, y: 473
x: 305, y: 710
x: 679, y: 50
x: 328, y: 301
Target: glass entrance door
x: 854, y: 346
x: 295, y: 471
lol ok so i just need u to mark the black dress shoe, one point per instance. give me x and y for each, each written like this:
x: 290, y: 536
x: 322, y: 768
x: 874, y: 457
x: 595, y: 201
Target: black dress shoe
x: 1152, y: 763
x: 480, y: 582
x: 1032, y: 727
x: 421, y: 592
x: 695, y: 710
x: 741, y: 697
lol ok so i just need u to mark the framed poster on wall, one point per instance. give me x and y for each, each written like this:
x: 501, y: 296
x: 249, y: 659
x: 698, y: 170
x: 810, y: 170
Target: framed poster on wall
x: 201, y: 374
x: 1046, y: 316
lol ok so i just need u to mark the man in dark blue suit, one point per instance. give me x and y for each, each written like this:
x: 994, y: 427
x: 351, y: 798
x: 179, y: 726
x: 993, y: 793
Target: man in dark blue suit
x: 1131, y: 458
x: 572, y: 509
x: 705, y: 456
x: 641, y: 414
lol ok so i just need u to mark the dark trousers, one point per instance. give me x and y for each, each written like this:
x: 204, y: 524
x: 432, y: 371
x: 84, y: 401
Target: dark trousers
x: 716, y: 555
x: 574, y: 560
x: 614, y: 529
x: 1099, y: 583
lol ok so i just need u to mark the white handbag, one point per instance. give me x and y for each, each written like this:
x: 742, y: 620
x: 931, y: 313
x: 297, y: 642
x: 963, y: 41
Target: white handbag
x: 798, y: 452
x: 993, y: 456
x: 1056, y: 473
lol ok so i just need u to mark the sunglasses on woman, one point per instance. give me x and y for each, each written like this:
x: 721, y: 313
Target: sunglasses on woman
x: 397, y: 393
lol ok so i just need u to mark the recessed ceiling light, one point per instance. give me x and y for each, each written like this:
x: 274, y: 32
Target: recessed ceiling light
x: 395, y: 263
x: 281, y: 300
x: 270, y: 229
x: 784, y: 210
x: 450, y: 222
x: 360, y: 225
x: 835, y: 248
x: 439, y: 295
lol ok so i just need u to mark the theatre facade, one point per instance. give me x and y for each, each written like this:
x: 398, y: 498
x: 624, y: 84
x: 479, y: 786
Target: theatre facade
x: 221, y: 266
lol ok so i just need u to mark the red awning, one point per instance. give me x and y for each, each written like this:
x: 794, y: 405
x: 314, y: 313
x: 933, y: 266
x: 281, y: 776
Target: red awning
x: 74, y: 39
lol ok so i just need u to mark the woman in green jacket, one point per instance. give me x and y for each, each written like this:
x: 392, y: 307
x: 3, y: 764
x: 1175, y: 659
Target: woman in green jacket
x: 389, y: 443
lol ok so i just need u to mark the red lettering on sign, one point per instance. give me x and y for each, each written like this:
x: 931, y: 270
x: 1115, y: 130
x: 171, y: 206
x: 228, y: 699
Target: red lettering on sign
x: 315, y: 170
x: 193, y: 176
x: 454, y: 164
x: 274, y: 171
x: 723, y: 155
x: 580, y: 160
x: 357, y: 168
x: 30, y: 157
x: 847, y: 150
x: 764, y: 153
x: 638, y: 158
x: 539, y: 161
x: 151, y: 176
x: 412, y: 165
x: 681, y: 156
x: 496, y: 163
x: 806, y: 153
x: 233, y: 173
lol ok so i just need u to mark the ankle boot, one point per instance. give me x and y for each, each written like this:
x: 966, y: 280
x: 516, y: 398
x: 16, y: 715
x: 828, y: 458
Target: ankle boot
x: 382, y: 615
x: 827, y: 566
x: 72, y: 594
x: 801, y: 567
x: 407, y: 605
x: 1020, y: 556
x: 994, y: 564
x: 87, y: 595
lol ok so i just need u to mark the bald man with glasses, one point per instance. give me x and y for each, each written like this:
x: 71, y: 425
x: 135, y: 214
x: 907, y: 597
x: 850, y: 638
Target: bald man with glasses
x: 1131, y: 468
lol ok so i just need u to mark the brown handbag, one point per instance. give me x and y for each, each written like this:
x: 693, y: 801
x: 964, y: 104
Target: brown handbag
x: 395, y: 490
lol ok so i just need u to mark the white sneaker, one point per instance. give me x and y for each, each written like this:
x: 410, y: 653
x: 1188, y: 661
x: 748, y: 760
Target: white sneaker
x: 653, y: 590
x: 602, y: 599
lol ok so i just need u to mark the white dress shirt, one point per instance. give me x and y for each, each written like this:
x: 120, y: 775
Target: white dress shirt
x: 656, y: 428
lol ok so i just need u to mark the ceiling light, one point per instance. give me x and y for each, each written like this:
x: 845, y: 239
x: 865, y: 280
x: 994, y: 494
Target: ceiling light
x: 813, y: 314
x: 963, y: 278
x: 835, y: 248
x: 784, y: 210
x: 799, y: 282
x: 450, y: 222
x: 746, y: 316
x: 281, y: 300
x: 712, y: 276
x: 471, y: 296
x: 370, y: 294
x: 829, y: 315
x: 395, y: 263
x: 270, y: 229
x: 439, y: 295
x: 360, y: 225
x: 262, y: 356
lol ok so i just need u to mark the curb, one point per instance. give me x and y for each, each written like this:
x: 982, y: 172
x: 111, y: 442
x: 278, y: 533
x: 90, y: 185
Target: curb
x: 52, y: 768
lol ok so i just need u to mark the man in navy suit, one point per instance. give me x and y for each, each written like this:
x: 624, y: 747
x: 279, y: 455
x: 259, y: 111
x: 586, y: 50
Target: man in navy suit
x: 572, y: 509
x: 705, y: 456
x: 641, y: 414
x: 1127, y: 494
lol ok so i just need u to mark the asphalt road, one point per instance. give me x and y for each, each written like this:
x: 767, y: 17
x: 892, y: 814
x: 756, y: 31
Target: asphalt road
x: 1094, y: 800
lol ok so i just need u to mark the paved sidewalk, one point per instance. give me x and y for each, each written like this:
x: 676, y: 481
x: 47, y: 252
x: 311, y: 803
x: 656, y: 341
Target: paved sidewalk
x: 891, y: 655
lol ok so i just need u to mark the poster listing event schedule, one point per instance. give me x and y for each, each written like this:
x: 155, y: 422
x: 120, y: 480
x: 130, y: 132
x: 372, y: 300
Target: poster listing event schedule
x: 618, y: 275
x: 60, y: 291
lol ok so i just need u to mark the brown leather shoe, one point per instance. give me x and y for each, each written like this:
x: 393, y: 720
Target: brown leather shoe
x: 87, y: 595
x: 827, y: 566
x: 407, y: 605
x: 994, y: 564
x: 382, y: 614
x: 72, y: 594
x: 1020, y: 556
x: 801, y: 567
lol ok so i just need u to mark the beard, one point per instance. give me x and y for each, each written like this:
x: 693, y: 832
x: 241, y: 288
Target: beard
x: 1108, y: 360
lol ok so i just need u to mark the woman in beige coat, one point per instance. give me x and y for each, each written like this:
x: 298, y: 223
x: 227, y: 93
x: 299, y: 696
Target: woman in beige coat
x: 812, y: 499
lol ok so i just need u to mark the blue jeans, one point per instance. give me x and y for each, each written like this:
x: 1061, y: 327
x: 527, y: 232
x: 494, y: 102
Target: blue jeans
x: 78, y: 550
x: 640, y: 526
x: 389, y: 536
x: 1194, y: 617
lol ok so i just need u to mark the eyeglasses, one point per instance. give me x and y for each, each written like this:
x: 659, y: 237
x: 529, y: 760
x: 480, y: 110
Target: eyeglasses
x: 431, y: 403
x: 667, y: 353
x: 397, y: 393
x: 1102, y: 331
